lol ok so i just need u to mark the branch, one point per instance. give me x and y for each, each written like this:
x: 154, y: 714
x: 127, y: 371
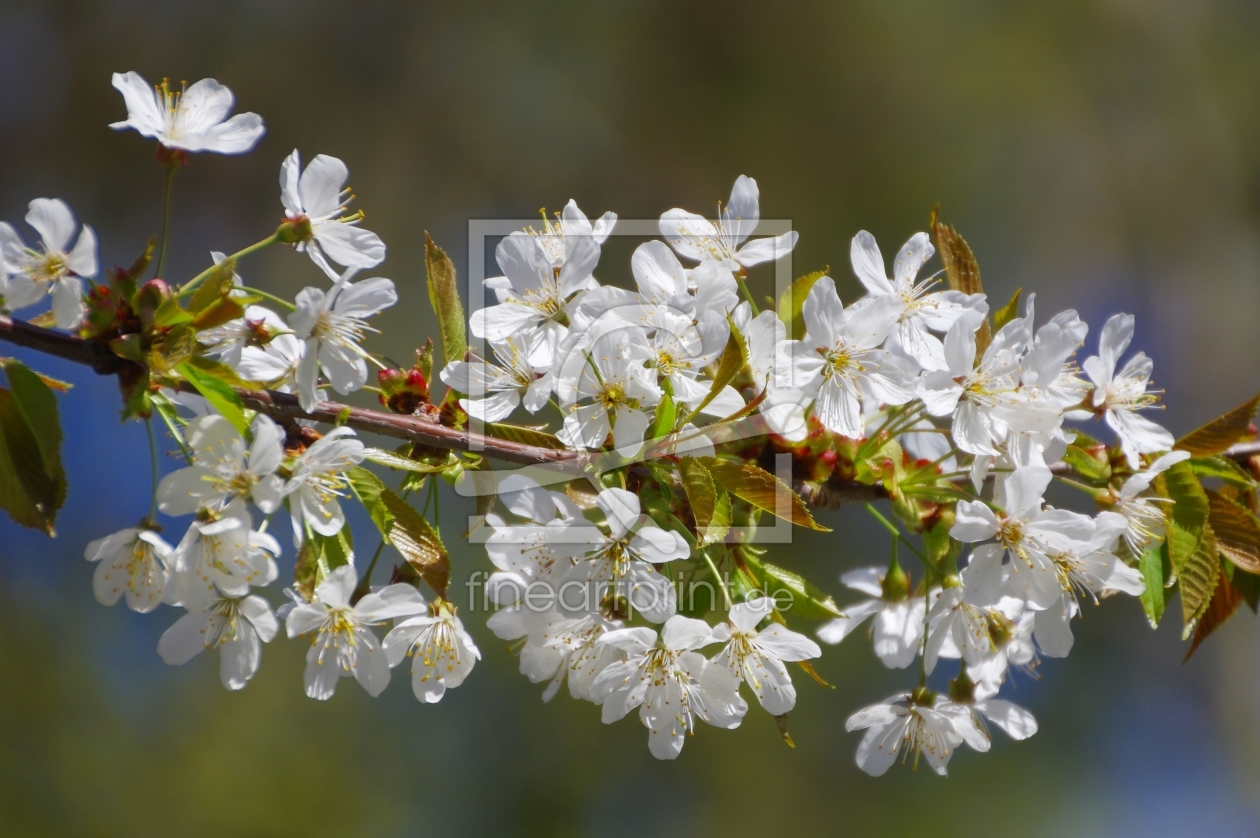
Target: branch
x: 420, y: 429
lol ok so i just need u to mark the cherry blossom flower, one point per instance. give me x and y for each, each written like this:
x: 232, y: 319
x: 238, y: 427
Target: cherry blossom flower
x: 671, y: 683
x: 225, y: 469
x: 897, y: 632
x: 613, y: 376
x: 443, y: 652
x: 695, y: 237
x: 904, y: 722
x: 970, y: 720
x: 331, y: 323
x: 317, y: 483
x: 623, y: 560
x: 839, y: 358
x: 1118, y: 396
x: 257, y: 329
x: 756, y: 657
x: 194, y: 119
x: 1011, y: 624
x: 316, y: 196
x: 233, y: 625
x: 134, y: 561
x: 496, y: 391
x: 1145, y: 520
x: 342, y: 642
x: 221, y: 553
x: 54, y: 267
x: 920, y: 311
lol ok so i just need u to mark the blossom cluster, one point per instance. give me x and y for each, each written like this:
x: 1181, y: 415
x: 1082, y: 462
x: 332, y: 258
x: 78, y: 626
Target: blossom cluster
x: 672, y: 393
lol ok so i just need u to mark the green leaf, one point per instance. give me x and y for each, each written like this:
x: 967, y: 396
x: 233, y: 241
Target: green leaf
x: 412, y: 536
x: 1248, y: 585
x: 389, y: 458
x: 1237, y: 531
x: 761, y: 489
x: 805, y: 599
x: 525, y: 436
x: 218, y: 313
x: 306, y: 570
x: 666, y: 415
x: 169, y: 313
x: 1095, y: 469
x: 1008, y: 312
x: 1197, y: 579
x: 444, y: 297
x: 734, y: 359
x: 214, y: 287
x: 32, y: 480
x: 220, y: 395
x: 368, y: 488
x: 792, y: 299
x: 219, y: 370
x: 1225, y: 601
x: 710, y: 506
x: 1221, y: 432
x: 1156, y: 569
x: 1223, y: 469
x: 319, y: 556
x: 1190, y: 508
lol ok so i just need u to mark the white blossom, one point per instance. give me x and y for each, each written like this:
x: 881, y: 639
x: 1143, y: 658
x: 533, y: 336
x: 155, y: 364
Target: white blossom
x: 1118, y: 396
x: 756, y: 657
x: 839, y: 359
x: 672, y: 684
x: 921, y: 729
x: 442, y: 652
x: 695, y: 237
x: 331, y: 323
x: 54, y: 267
x: 497, y: 390
x: 195, y: 119
x: 342, y: 642
x: 1145, y: 520
x: 317, y: 195
x: 612, y: 375
x: 233, y: 625
x: 221, y: 553
x: 224, y: 468
x: 897, y: 632
x: 318, y: 482
x: 134, y: 561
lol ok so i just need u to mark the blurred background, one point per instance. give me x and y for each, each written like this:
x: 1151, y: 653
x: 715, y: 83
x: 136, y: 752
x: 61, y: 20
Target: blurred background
x: 1102, y: 153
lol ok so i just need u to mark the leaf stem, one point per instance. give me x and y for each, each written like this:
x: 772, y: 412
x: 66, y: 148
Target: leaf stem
x: 895, y: 531
x: 752, y: 304
x: 153, y: 463
x: 192, y: 284
x: 717, y: 577
x: 166, y: 218
x: 272, y: 297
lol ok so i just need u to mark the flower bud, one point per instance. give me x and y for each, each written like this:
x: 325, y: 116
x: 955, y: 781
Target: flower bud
x: 149, y: 298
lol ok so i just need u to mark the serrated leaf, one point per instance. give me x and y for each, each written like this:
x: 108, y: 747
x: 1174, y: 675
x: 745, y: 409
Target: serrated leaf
x: 1248, y: 585
x: 806, y: 600
x: 1225, y: 601
x: 525, y: 436
x: 306, y: 570
x: 1223, y: 469
x: 1237, y: 532
x: 389, y: 458
x: 1190, y: 502
x: 1197, y: 579
x: 761, y: 489
x: 734, y: 359
x: 709, y: 505
x: 412, y: 536
x: 1221, y: 432
x: 962, y: 272
x: 367, y: 487
x: 217, y: 285
x: 1008, y: 312
x: 174, y: 348
x: 221, y: 396
x: 33, y: 483
x: 444, y: 297
x: 1156, y: 569
x: 793, y: 299
x: 218, y: 370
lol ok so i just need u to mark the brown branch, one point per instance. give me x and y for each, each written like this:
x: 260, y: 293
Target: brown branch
x: 415, y: 428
